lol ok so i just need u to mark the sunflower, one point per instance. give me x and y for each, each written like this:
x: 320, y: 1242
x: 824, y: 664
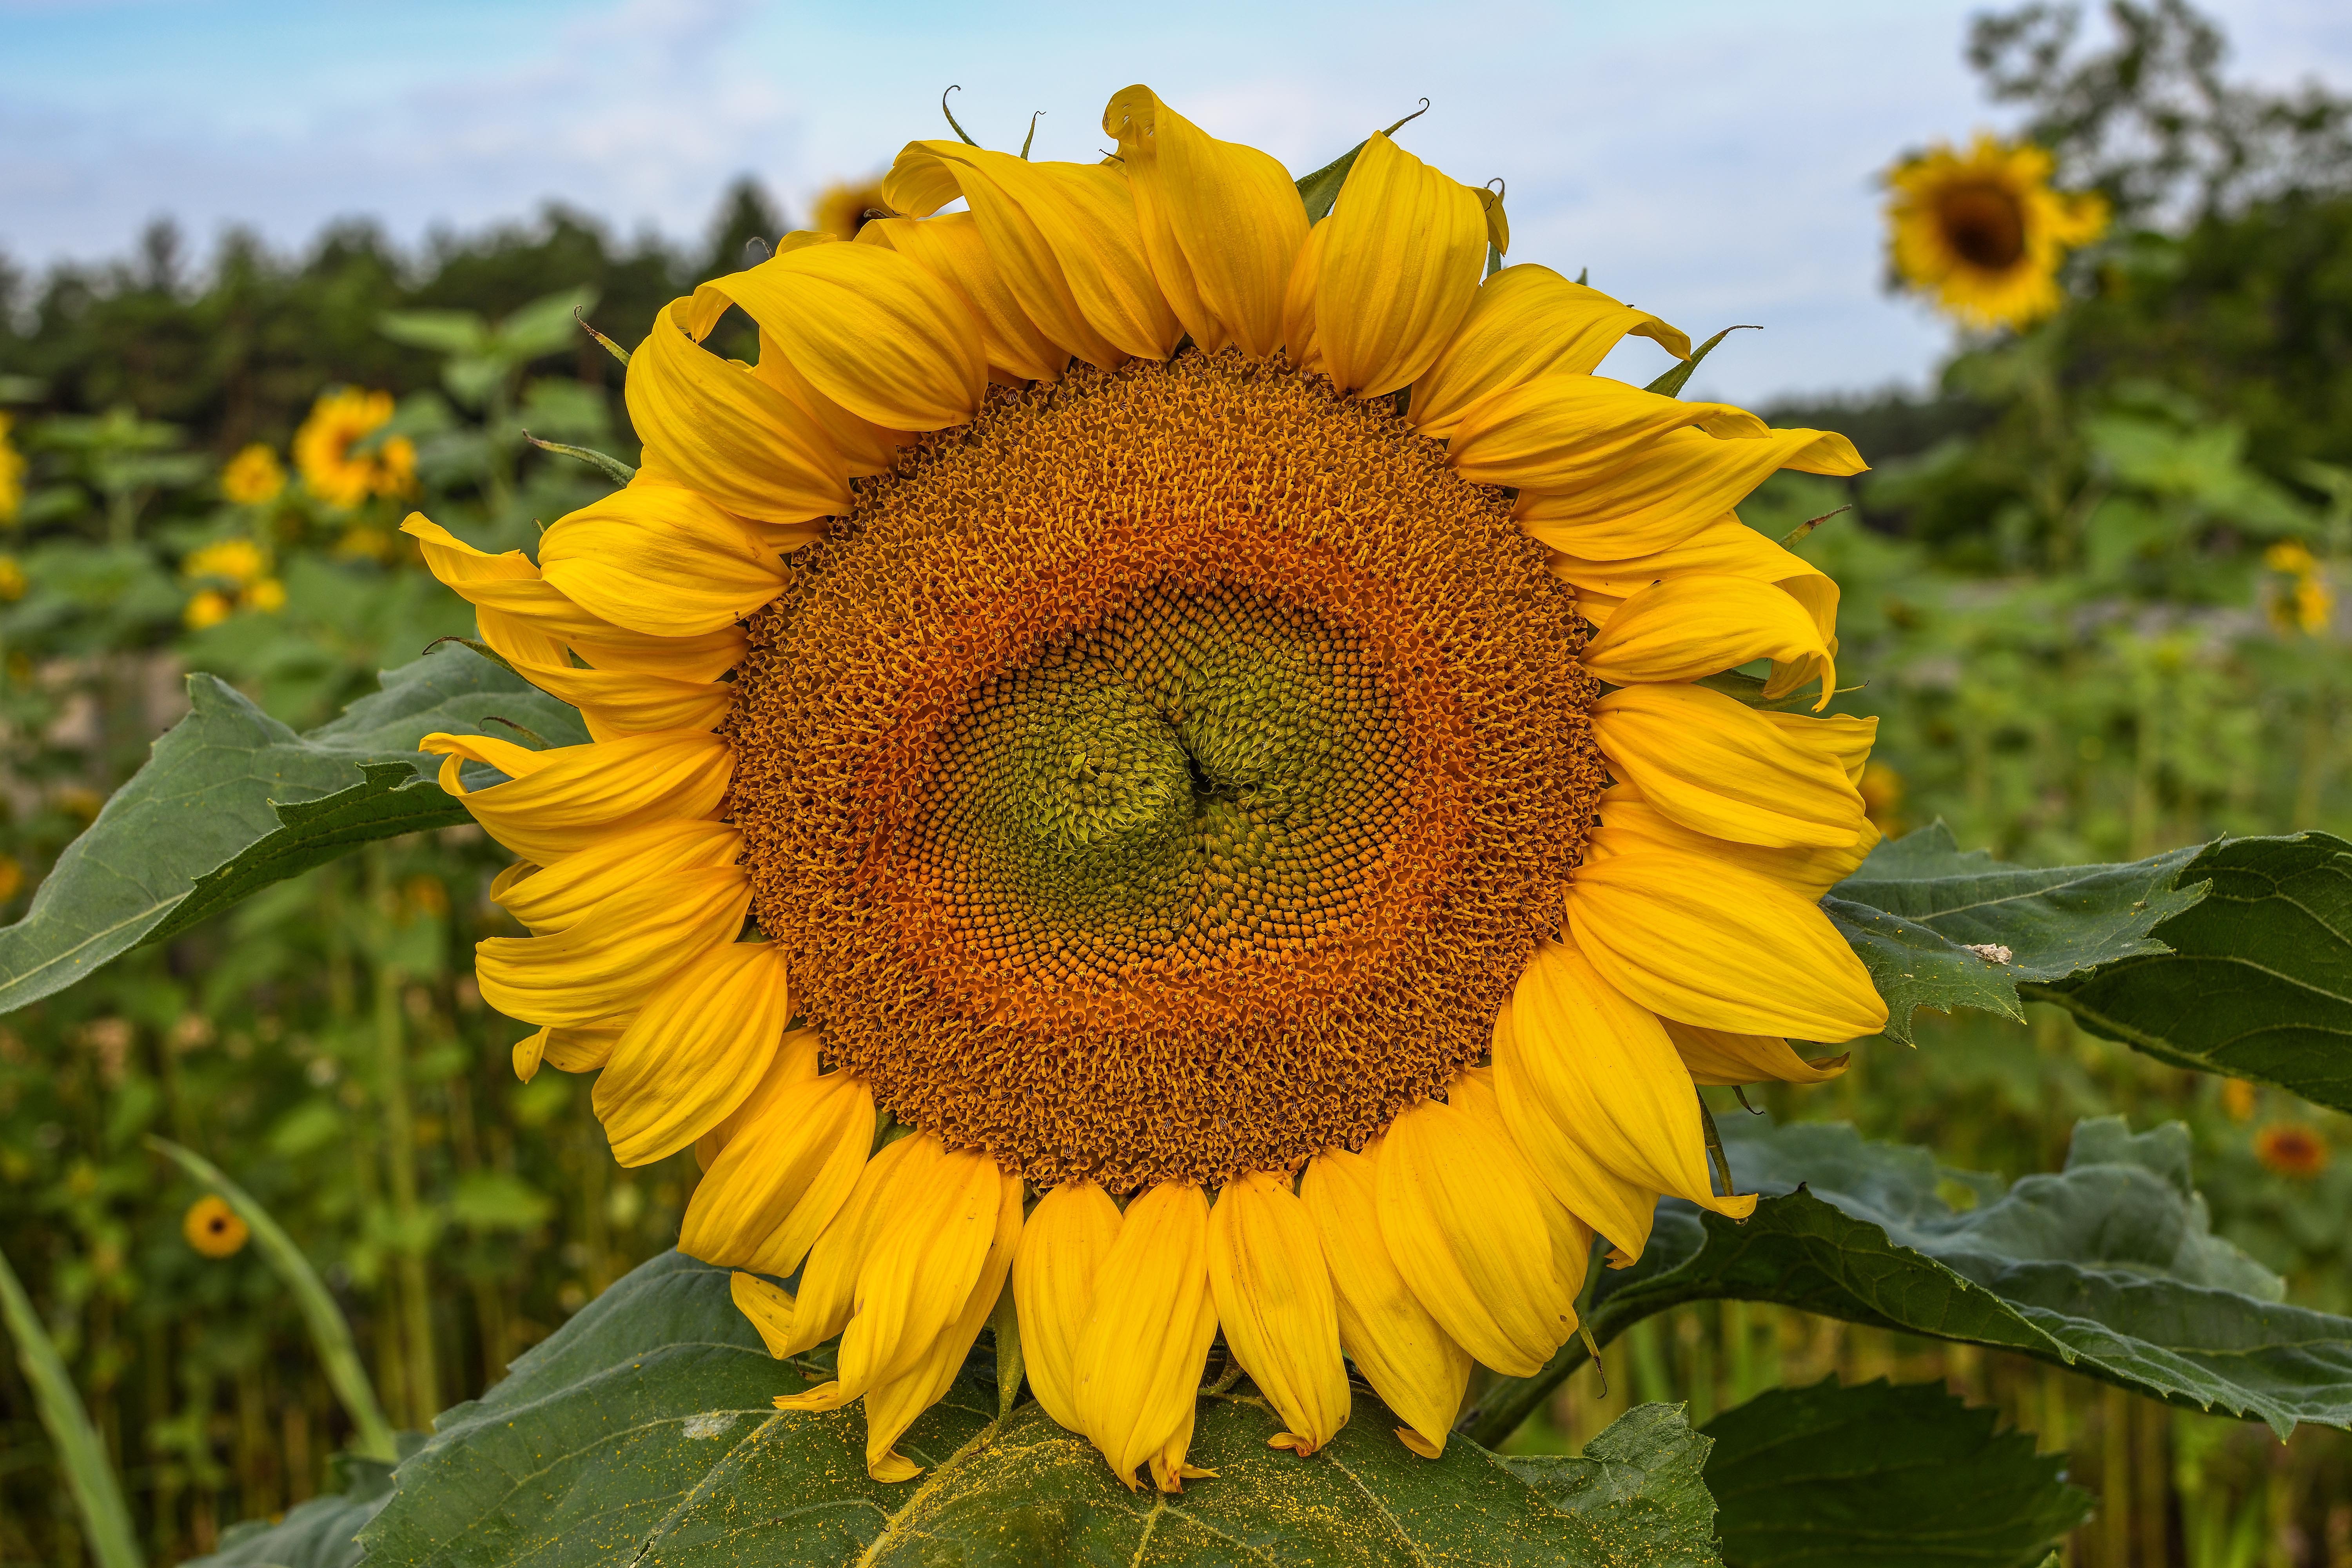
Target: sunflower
x: 1152, y: 756
x: 1983, y: 232
x: 336, y: 474
x: 12, y: 473
x: 213, y: 1227
x: 2292, y: 1149
x: 253, y: 476
x: 840, y: 210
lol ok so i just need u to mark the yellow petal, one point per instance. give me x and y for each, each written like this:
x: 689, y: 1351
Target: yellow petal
x: 769, y: 1309
x: 1064, y: 240
x: 865, y: 447
x: 1717, y: 1056
x: 693, y: 1050
x: 573, y: 796
x: 1221, y: 222
x: 618, y: 703
x: 892, y: 1406
x: 920, y: 1270
x: 1412, y: 1363
x: 1701, y: 625
x: 1461, y: 1211
x: 1140, y: 1356
x: 950, y: 247
x: 553, y: 899
x: 1671, y: 488
x: 1393, y: 270
x: 1557, y: 1146
x: 1605, y: 1067
x: 578, y: 1050
x: 659, y: 559
x: 607, y: 963
x: 1574, y: 432
x: 1846, y: 741
x: 1068, y: 1235
x: 1629, y: 824
x: 1274, y: 1298
x: 894, y: 1178
x: 1713, y: 763
x: 722, y: 431
x: 1301, y: 343
x: 1526, y: 321
x: 876, y: 333
x: 782, y: 1179
x: 795, y: 1063
x: 1714, y: 944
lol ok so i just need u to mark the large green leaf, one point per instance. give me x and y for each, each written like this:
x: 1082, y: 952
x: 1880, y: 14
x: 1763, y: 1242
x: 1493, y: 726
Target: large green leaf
x: 1880, y: 1476
x: 320, y: 1534
x: 1643, y: 1479
x: 1943, y: 928
x: 232, y: 800
x: 2108, y: 1267
x: 2254, y: 980
x: 643, y: 1433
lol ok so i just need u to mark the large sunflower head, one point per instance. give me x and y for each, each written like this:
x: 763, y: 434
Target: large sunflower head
x: 1983, y: 232
x: 1190, y: 722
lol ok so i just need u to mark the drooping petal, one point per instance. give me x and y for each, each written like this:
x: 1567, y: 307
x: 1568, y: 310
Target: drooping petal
x: 693, y: 1050
x: 1713, y: 763
x: 618, y: 703
x: 795, y: 1063
x: 1714, y: 944
x: 1845, y: 740
x: 950, y: 246
x: 782, y: 1179
x: 768, y: 1308
x: 919, y: 1271
x: 1574, y: 432
x: 553, y: 898
x: 1461, y: 1214
x: 1556, y: 1145
x: 1701, y: 625
x: 720, y: 429
x: 893, y: 1179
x: 1628, y: 823
x: 1390, y: 274
x: 1526, y: 321
x: 1140, y: 1356
x: 659, y: 559
x: 1274, y: 1298
x: 865, y: 447
x: 571, y: 796
x: 877, y: 334
x: 1412, y: 1363
x: 1718, y: 1057
x: 1062, y: 1246
x: 1221, y: 222
x: 609, y: 962
x: 1671, y: 488
x: 566, y: 1050
x: 1606, y: 1068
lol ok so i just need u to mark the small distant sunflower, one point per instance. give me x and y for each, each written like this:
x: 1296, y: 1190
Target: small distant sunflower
x: 235, y: 561
x: 253, y: 476
x: 207, y: 609
x: 1983, y: 232
x: 12, y: 473
x: 1271, y: 821
x: 840, y: 210
x: 213, y: 1227
x: 2303, y: 602
x: 12, y: 580
x: 337, y: 475
x: 2292, y: 1149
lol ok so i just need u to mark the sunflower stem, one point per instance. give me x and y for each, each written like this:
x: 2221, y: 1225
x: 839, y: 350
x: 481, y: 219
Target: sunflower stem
x: 81, y: 1452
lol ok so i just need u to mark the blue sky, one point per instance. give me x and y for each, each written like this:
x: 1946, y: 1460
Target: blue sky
x: 1711, y: 160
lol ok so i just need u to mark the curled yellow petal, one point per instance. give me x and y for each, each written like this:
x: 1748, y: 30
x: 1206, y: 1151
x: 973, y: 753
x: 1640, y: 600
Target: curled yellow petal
x: 1845, y: 740
x: 695, y: 1049
x: 1221, y: 222
x: 1062, y: 1246
x: 1573, y: 432
x: 891, y: 1181
x: 782, y: 1179
x: 1715, y: 765
x: 659, y: 559
x: 1628, y: 823
x: 1717, y: 1056
x: 617, y: 703
x: 1526, y: 321
x: 949, y: 246
x: 1714, y: 944
x: 1669, y: 490
x: 1691, y: 626
x: 607, y: 963
x: 1389, y: 275
x: 570, y: 796
x: 883, y: 338
x: 1461, y: 1214
x: 918, y: 1271
x: 767, y: 1306
x: 1555, y: 1144
x: 1137, y: 1369
x: 1274, y: 1298
x: 550, y: 898
x: 1412, y: 1363
x: 718, y: 430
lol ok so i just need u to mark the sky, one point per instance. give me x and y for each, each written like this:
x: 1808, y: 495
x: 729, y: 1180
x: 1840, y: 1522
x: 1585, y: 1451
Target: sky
x: 1714, y: 161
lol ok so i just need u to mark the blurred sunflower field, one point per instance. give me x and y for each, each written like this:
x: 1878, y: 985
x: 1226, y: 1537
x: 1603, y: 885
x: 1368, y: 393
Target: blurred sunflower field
x: 2092, y: 588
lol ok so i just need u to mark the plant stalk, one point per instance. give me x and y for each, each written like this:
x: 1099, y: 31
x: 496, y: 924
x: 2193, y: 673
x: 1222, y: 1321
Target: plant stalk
x: 106, y: 1519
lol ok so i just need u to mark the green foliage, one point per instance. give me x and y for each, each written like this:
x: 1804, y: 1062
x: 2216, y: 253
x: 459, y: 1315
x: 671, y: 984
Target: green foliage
x: 1877, y: 1476
x: 320, y: 1534
x: 1642, y: 1481
x: 81, y: 1456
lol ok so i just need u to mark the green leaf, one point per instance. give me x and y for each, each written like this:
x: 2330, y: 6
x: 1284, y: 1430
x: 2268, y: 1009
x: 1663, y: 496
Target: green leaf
x: 542, y: 327
x: 320, y: 1534
x: 1676, y: 377
x: 1320, y: 189
x: 231, y: 800
x: 1880, y: 1476
x: 442, y: 331
x: 1641, y: 1479
x: 2254, y: 980
x: 612, y: 467
x: 81, y: 1453
x: 1932, y: 922
x: 642, y: 1432
x: 2108, y: 1267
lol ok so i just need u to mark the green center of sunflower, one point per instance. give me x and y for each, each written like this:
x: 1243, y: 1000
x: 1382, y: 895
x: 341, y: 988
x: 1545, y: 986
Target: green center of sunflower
x: 1165, y: 776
